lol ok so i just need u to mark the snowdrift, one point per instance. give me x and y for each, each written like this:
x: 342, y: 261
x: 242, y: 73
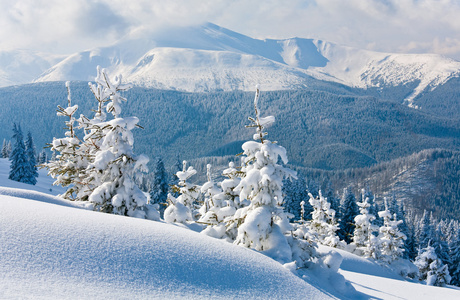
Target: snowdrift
x: 53, y: 251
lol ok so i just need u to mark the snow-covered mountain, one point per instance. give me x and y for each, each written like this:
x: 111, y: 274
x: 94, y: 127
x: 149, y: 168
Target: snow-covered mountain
x: 212, y: 58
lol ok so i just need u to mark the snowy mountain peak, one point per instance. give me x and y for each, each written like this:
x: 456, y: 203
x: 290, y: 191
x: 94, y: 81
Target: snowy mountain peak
x: 211, y: 58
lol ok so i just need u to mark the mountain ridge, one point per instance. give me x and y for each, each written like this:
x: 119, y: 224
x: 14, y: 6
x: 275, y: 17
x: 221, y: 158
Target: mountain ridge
x: 209, y: 58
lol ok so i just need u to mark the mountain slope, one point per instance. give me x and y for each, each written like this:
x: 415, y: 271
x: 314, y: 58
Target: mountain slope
x: 212, y: 58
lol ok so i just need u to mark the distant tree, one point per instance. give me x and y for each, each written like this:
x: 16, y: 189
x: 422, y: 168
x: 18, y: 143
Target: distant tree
x: 424, y: 231
x: 42, y: 157
x: 349, y: 210
x: 159, y: 186
x: 453, y: 240
x: 294, y: 192
x: 5, y: 151
x: 31, y: 157
x: 332, y: 199
x: 20, y: 169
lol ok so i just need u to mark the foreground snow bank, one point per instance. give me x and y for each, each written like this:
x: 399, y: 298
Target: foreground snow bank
x: 54, y: 251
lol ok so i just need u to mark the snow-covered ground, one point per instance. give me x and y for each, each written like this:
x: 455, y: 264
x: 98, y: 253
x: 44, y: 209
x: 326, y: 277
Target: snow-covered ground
x: 51, y: 249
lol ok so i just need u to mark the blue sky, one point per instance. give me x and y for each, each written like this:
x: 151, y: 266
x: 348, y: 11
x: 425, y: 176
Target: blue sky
x: 67, y: 26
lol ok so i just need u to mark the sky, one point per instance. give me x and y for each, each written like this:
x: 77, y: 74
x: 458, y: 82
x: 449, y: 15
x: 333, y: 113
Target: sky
x: 402, y: 26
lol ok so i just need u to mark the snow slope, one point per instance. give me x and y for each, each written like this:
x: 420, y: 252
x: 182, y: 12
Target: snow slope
x: 210, y: 58
x: 49, y: 249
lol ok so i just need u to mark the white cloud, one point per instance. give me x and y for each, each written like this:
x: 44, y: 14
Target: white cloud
x: 384, y: 25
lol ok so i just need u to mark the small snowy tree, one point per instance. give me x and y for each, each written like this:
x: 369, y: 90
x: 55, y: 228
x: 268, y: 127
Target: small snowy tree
x: 390, y: 238
x: 323, y: 224
x: 182, y: 209
x: 69, y: 163
x: 431, y: 269
x: 20, y: 169
x: 114, y: 165
x: 264, y: 220
x: 363, y: 238
x: 31, y: 158
x: 220, y: 205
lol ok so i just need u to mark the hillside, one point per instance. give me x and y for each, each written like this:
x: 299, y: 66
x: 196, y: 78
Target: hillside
x: 328, y: 128
x: 54, y: 249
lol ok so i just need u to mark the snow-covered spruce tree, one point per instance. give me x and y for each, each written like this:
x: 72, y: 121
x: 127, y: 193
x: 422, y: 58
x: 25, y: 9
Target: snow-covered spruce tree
x: 68, y: 166
x: 363, y: 238
x: 348, y: 211
x: 264, y: 221
x: 391, y: 240
x: 182, y: 209
x: 114, y: 165
x: 42, y: 157
x: 323, y: 225
x: 32, y: 158
x: 425, y: 230
x: 210, y: 206
x: 159, y: 186
x: 431, y: 269
x: 230, y: 202
x: 220, y: 205
x: 20, y: 168
x: 454, y: 251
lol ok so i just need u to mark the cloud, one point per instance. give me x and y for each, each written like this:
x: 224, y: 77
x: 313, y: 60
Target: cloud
x: 382, y: 25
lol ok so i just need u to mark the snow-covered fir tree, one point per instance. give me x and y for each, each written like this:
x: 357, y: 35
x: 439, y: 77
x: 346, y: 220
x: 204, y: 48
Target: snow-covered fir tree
x: 70, y: 160
x: 348, y: 211
x: 114, y: 165
x: 210, y: 206
x: 323, y: 224
x: 20, y: 168
x: 264, y: 220
x: 332, y: 198
x: 424, y: 230
x: 231, y: 202
x: 220, y: 205
x: 158, y: 187
x: 391, y: 239
x: 31, y: 158
x: 363, y: 238
x: 42, y: 157
x: 431, y: 269
x: 453, y: 241
x: 181, y: 209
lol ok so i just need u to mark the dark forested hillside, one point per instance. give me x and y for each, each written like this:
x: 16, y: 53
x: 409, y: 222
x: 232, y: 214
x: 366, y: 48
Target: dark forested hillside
x: 320, y: 129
